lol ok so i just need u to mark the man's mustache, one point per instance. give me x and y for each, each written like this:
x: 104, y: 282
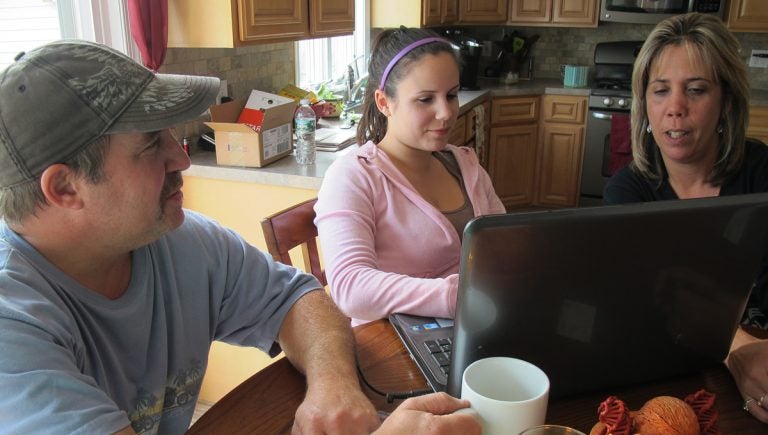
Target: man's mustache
x: 173, y: 183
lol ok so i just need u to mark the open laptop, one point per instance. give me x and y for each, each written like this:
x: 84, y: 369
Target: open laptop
x: 598, y: 297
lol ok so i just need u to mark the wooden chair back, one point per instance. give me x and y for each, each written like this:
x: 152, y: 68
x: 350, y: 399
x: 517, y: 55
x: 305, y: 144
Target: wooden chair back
x: 294, y: 227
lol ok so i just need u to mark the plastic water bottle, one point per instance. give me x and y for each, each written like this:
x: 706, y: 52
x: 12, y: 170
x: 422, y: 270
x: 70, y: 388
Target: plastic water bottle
x: 306, y: 123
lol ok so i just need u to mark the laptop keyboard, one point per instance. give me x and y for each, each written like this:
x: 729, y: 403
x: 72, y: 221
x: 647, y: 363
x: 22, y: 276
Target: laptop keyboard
x: 441, y: 352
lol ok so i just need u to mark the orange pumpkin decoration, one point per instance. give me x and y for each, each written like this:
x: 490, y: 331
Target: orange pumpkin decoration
x: 696, y: 415
x: 666, y: 415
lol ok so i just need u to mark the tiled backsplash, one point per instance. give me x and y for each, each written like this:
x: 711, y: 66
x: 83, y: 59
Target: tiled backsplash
x: 567, y: 45
x: 266, y: 67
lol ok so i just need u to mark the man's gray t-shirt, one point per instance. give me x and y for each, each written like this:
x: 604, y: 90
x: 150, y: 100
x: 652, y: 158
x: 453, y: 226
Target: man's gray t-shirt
x: 73, y: 361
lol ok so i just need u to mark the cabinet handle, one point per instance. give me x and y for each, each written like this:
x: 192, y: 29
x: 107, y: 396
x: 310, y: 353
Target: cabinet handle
x: 602, y: 115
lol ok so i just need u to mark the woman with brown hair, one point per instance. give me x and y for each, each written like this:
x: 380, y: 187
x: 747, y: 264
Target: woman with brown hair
x: 690, y: 111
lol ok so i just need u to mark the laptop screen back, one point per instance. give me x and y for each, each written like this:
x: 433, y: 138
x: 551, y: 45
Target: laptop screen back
x: 608, y: 296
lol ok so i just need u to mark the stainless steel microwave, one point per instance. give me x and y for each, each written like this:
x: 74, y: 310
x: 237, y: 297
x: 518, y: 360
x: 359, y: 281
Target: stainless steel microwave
x: 653, y: 11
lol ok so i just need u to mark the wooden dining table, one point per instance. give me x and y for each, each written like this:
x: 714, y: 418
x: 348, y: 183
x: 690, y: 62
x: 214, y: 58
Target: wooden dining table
x: 266, y: 402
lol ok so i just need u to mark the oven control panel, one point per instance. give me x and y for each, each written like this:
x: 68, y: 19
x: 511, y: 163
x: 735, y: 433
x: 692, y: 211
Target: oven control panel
x: 621, y: 103
x: 614, y: 102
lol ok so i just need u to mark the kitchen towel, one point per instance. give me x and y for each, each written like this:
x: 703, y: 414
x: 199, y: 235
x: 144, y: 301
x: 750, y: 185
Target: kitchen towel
x: 620, y: 146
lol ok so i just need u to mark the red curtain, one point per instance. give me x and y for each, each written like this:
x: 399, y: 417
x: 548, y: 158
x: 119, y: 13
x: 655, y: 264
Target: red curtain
x: 149, y: 28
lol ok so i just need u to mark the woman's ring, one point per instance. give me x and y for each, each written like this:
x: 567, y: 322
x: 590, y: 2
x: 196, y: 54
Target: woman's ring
x: 760, y: 400
x: 748, y: 402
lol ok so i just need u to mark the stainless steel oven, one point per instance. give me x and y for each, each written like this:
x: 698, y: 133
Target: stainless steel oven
x: 610, y: 96
x: 595, y: 168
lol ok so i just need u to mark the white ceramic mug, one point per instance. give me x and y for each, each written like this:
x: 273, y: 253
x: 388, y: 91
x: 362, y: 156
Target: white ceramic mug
x: 508, y: 394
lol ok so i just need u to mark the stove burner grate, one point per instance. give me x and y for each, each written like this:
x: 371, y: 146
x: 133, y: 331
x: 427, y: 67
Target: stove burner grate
x: 613, y: 85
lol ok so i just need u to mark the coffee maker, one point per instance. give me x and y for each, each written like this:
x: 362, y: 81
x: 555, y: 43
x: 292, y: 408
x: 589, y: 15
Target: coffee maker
x: 468, y: 51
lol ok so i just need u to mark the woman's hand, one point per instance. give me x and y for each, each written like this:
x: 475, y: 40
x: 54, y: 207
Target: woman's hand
x: 748, y: 363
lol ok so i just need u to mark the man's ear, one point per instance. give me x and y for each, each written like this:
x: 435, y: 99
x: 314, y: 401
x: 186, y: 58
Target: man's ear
x: 59, y: 184
x: 382, y: 102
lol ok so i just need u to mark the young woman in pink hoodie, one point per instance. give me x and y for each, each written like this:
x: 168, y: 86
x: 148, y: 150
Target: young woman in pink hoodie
x: 390, y: 214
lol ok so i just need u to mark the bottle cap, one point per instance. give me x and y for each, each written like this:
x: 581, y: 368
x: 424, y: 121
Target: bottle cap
x: 304, y: 102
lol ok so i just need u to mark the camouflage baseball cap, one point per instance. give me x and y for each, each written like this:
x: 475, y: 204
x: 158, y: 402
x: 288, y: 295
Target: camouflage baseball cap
x: 62, y: 96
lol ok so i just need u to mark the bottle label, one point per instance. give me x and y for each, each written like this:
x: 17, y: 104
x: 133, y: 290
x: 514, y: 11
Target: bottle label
x: 304, y: 126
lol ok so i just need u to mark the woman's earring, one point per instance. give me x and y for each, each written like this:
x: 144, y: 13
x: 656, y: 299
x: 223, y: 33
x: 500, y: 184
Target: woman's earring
x: 648, y: 129
x: 719, y: 128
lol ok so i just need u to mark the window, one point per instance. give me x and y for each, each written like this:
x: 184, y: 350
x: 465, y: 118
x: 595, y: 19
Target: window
x: 324, y: 60
x: 26, y: 24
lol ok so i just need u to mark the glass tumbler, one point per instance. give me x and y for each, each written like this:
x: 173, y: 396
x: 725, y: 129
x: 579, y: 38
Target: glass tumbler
x: 551, y: 429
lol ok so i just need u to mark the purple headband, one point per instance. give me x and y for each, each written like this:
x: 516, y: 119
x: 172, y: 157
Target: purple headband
x: 403, y: 52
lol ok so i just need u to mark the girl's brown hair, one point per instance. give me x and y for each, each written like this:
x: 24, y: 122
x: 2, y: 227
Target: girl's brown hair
x: 388, y: 44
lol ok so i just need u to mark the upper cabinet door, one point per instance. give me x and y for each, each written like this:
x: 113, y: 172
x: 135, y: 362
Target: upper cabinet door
x: 559, y: 13
x: 530, y: 11
x: 272, y: 19
x: 439, y: 12
x: 748, y: 16
x: 332, y: 17
x: 574, y: 12
x: 432, y: 12
x: 450, y: 11
x: 482, y: 11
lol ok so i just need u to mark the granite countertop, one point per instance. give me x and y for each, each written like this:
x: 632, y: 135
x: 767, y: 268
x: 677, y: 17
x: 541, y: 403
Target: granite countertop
x: 286, y: 172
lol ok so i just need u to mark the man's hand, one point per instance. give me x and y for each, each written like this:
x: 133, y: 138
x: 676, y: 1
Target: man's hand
x: 335, y: 407
x: 431, y: 414
x: 748, y: 363
x: 318, y: 340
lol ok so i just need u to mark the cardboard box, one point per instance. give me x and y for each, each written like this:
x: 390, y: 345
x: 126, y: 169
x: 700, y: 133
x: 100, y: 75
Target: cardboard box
x: 242, y: 145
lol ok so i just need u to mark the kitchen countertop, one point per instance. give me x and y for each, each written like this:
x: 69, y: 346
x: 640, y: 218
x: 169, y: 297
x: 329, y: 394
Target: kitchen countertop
x: 284, y: 172
x: 759, y: 97
x: 287, y: 173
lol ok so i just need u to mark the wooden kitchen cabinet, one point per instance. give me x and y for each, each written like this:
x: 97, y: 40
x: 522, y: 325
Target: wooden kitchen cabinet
x: 259, y: 20
x: 564, y: 13
x: 234, y: 23
x: 439, y: 12
x: 413, y: 13
x: 458, y: 132
x: 331, y: 17
x: 463, y: 132
x: 426, y: 13
x: 561, y: 150
x: 758, y: 123
x: 471, y: 136
x: 748, y: 16
x: 512, y: 153
x: 483, y: 11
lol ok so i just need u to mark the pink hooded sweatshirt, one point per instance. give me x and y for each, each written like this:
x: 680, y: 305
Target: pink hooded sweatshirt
x: 386, y: 248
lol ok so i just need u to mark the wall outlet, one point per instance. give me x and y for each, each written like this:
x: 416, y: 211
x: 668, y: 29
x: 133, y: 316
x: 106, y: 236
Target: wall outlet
x: 759, y: 59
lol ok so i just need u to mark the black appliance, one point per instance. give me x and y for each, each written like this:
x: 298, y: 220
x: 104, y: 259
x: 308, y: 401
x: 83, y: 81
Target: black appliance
x: 610, y: 94
x: 468, y: 51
